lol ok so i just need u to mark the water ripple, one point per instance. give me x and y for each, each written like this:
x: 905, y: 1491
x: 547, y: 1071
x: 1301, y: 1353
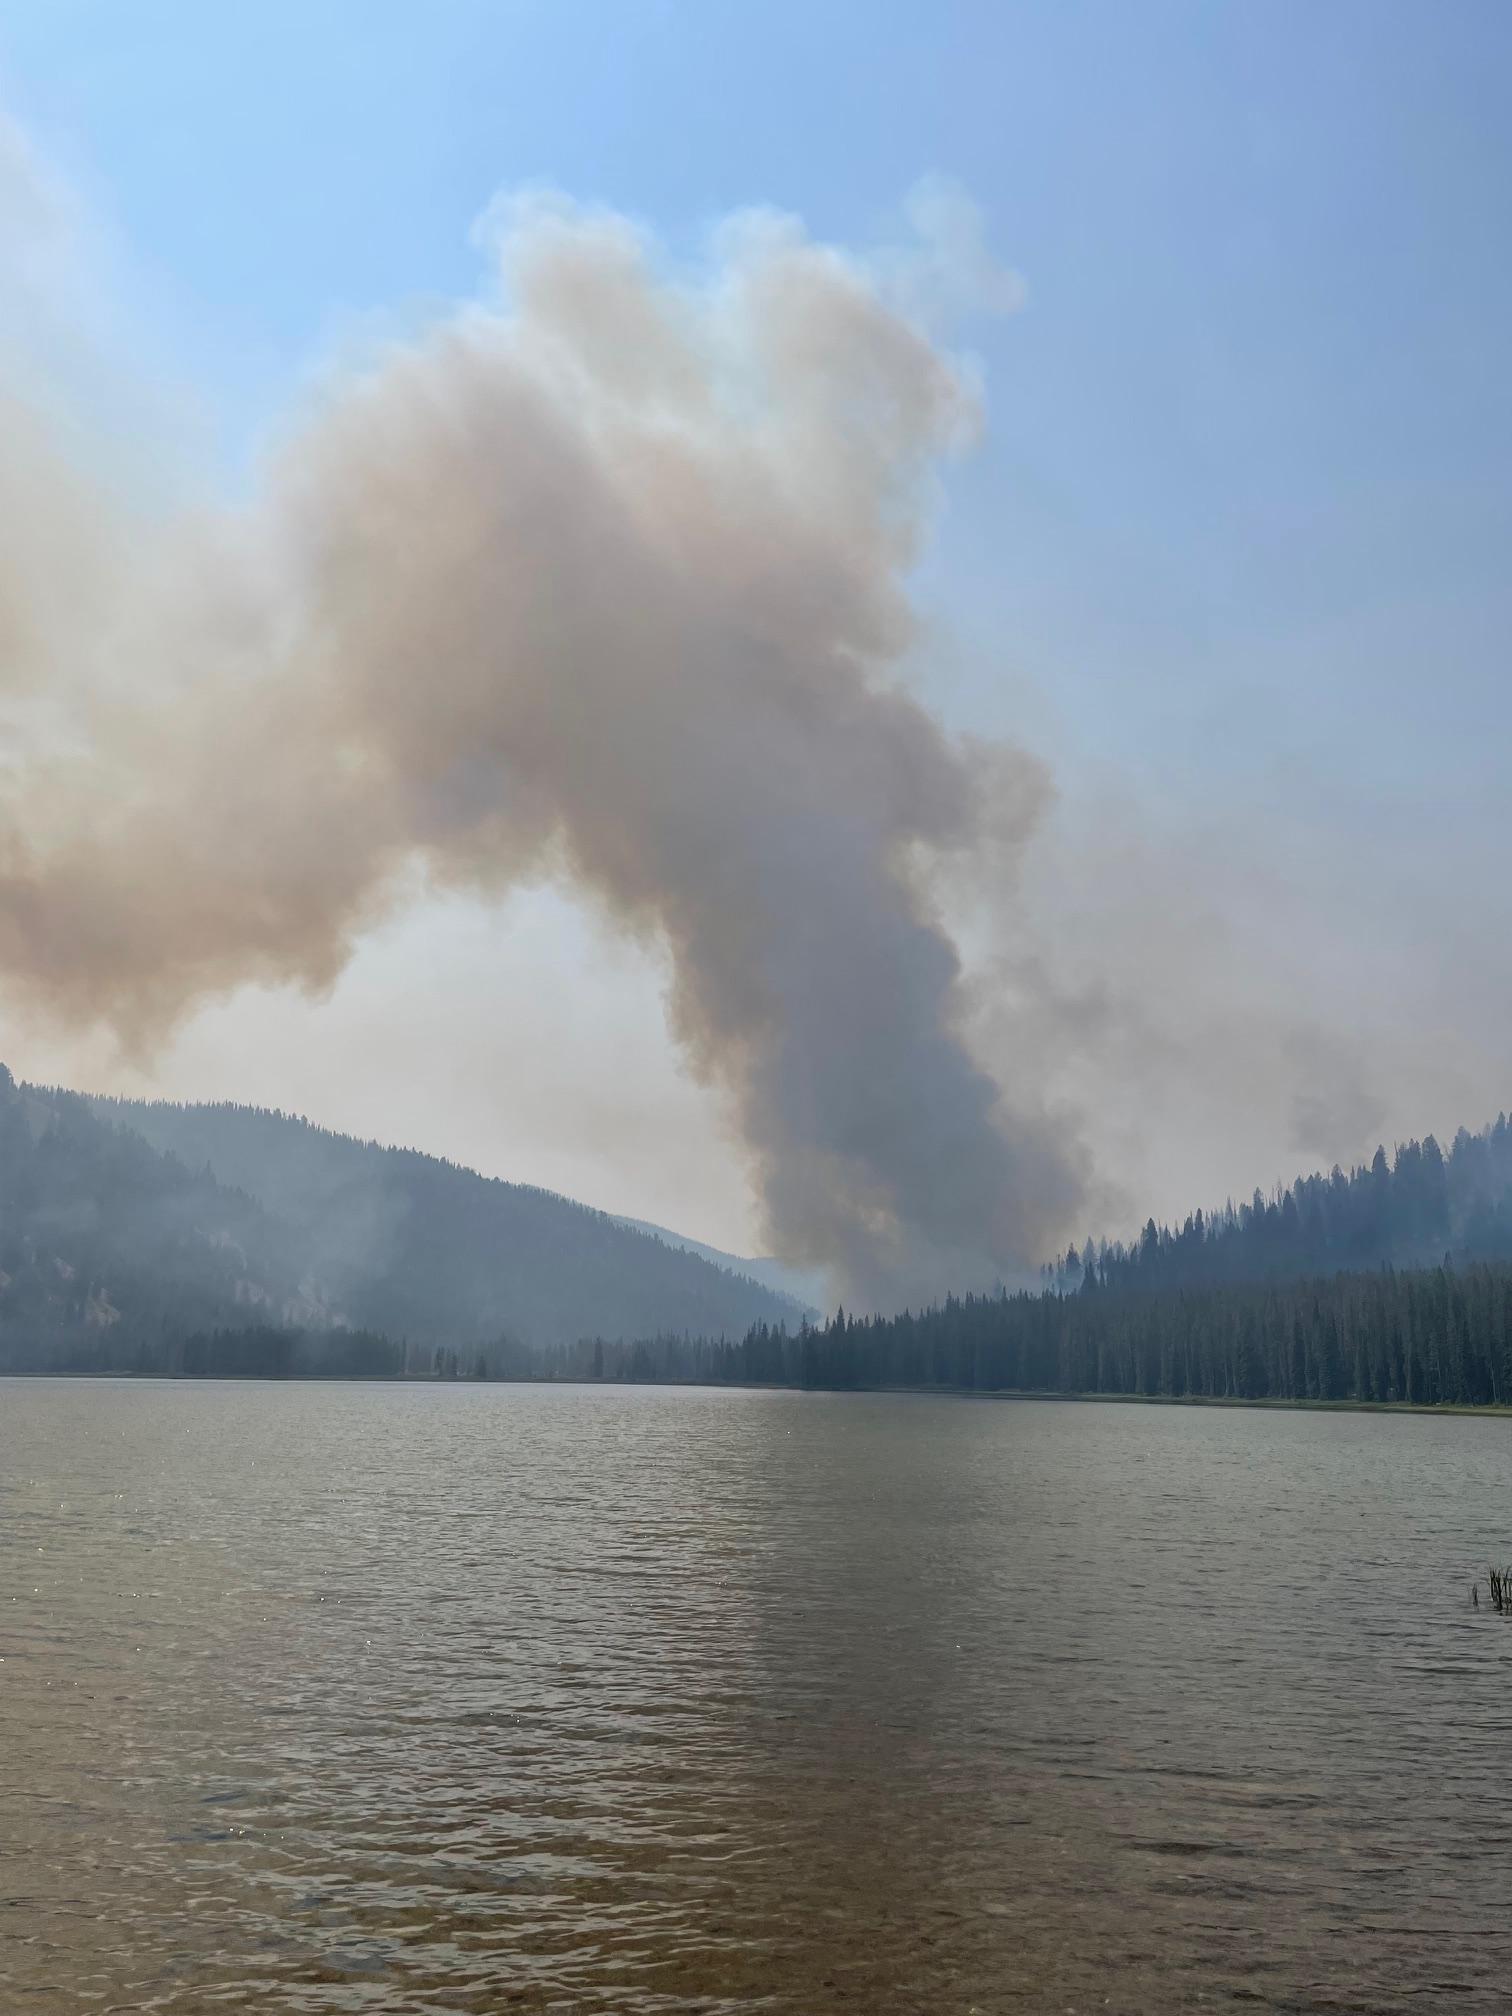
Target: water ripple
x: 346, y: 1700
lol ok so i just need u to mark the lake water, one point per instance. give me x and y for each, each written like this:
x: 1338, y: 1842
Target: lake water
x: 423, y: 1699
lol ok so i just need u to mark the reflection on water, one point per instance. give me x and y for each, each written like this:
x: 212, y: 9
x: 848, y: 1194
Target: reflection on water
x: 419, y: 1699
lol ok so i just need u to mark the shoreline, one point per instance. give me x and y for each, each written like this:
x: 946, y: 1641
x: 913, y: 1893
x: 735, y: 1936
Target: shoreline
x: 1493, y: 1409
x: 1271, y: 1402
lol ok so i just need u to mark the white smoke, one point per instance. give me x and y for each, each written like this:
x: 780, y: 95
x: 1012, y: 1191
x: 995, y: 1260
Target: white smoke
x: 606, y: 580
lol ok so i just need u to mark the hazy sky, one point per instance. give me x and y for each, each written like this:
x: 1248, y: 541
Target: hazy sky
x: 1231, y: 556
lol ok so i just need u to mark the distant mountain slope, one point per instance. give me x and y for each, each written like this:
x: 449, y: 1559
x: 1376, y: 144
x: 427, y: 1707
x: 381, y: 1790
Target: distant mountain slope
x: 108, y: 1246
x: 803, y: 1287
x: 1408, y: 1211
x: 415, y: 1247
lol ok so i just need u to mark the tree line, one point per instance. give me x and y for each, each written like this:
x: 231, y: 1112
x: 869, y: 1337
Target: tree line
x: 1406, y: 1212
x: 1428, y: 1336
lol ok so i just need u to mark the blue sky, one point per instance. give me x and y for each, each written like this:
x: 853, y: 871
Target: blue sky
x: 1234, y: 548
x: 1249, y: 449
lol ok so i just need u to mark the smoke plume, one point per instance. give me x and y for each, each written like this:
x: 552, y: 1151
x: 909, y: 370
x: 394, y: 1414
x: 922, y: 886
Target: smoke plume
x: 605, y: 580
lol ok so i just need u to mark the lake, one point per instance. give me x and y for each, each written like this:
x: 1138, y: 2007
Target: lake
x: 425, y: 1698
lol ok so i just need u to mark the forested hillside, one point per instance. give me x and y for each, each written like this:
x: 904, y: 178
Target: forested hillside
x: 417, y: 1248
x: 1407, y: 1212
x: 109, y: 1248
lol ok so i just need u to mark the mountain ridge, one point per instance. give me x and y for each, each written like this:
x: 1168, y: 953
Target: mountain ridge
x: 413, y: 1244
x: 804, y: 1287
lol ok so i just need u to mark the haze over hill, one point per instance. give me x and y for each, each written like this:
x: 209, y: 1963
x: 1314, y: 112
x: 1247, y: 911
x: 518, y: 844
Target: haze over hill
x: 134, y: 1220
x: 416, y: 1246
x: 806, y: 1286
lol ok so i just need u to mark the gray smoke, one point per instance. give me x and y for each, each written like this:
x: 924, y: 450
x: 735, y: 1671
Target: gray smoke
x: 604, y: 582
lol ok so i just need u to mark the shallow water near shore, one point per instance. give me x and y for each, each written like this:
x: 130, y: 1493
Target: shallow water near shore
x: 419, y: 1699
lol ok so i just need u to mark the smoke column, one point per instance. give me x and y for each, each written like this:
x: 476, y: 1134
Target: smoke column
x: 603, y: 582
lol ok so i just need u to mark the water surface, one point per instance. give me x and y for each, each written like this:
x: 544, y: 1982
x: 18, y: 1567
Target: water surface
x: 424, y: 1699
